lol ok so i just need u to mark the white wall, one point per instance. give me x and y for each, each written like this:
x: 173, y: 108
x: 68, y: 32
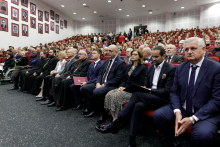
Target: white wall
x: 34, y: 38
x: 210, y: 15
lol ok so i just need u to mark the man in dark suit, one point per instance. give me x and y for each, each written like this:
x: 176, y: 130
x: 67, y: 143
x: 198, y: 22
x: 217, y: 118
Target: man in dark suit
x: 58, y: 77
x: 129, y: 34
x: 194, y: 98
x: 159, y: 80
x: 110, y: 77
x: 37, y: 78
x: 146, y: 31
x: 181, y: 48
x: 171, y: 54
x: 139, y: 32
x: 86, y: 89
x: 25, y: 76
x: 64, y: 98
x: 147, y: 55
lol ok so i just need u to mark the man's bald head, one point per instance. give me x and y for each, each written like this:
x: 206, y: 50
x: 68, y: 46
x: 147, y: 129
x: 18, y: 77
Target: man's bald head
x: 146, y: 52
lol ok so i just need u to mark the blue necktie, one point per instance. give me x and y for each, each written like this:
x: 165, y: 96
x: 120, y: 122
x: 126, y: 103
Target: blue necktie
x: 190, y: 89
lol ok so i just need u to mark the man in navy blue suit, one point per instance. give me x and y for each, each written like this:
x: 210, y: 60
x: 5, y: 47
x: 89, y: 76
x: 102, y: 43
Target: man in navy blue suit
x: 16, y: 54
x: 110, y: 77
x: 159, y: 81
x: 194, y: 98
x: 87, y: 88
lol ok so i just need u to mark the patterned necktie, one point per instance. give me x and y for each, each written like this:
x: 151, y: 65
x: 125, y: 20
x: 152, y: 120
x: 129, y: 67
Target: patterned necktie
x: 190, y: 89
x: 169, y: 58
x: 106, y: 72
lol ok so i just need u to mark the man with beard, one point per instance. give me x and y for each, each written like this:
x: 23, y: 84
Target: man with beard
x: 171, y: 54
x: 37, y: 78
x: 159, y: 80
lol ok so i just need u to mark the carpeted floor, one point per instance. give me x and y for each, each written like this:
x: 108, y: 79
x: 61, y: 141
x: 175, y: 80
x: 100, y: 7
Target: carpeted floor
x: 25, y: 123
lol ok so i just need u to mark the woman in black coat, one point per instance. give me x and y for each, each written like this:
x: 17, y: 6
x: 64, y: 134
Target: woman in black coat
x: 8, y: 63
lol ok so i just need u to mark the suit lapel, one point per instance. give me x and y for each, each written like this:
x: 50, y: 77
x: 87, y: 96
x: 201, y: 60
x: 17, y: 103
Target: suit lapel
x: 164, y: 68
x: 202, y: 72
x: 186, y: 76
x: 113, y: 65
x: 174, y: 58
x: 152, y: 75
x: 136, y: 68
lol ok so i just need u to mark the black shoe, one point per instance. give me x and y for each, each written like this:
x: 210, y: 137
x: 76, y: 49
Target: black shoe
x: 79, y: 106
x: 41, y: 99
x: 60, y: 109
x: 102, y: 118
x: 51, y: 104
x: 104, y: 128
x: 85, y: 112
x: 93, y: 113
x: 13, y: 88
x: 46, y: 102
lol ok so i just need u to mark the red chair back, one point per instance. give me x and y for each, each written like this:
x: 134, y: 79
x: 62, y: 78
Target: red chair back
x: 214, y: 58
x: 1, y: 58
x: 126, y: 63
x: 105, y: 57
x: 147, y: 64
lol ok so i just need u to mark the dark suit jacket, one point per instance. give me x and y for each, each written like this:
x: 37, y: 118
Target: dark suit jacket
x: 137, y: 76
x: 22, y: 61
x: 48, y: 66
x: 165, y: 80
x: 176, y: 58
x: 93, y: 73
x: 129, y: 34
x: 150, y: 60
x: 67, y: 68
x: 80, y: 71
x: 17, y: 56
x: 206, y: 96
x: 115, y: 74
x: 10, y: 62
x: 38, y: 66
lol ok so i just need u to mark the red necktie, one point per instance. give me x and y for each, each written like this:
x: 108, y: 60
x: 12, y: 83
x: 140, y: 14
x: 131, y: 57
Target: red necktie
x: 169, y: 59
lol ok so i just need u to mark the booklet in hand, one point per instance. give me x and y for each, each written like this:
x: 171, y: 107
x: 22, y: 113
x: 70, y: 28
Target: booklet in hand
x: 134, y: 88
x: 78, y: 80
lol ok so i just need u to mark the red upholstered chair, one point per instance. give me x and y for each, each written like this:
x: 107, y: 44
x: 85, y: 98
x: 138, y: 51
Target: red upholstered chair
x: 126, y: 63
x: 147, y: 64
x: 105, y: 57
x: 1, y: 58
x: 123, y: 56
x: 214, y: 58
x: 4, y: 59
x: 210, y: 53
x: 91, y: 60
x: 29, y: 57
x: 174, y: 64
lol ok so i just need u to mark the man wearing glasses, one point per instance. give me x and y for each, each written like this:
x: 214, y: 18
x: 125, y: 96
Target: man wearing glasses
x: 217, y: 47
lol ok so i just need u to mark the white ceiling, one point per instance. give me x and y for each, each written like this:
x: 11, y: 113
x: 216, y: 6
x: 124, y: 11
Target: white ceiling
x: 133, y: 8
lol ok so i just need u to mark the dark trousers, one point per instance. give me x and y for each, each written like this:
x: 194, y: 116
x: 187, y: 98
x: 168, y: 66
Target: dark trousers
x: 47, y: 85
x: 203, y: 131
x: 35, y: 84
x: 87, y: 94
x: 76, y: 93
x: 55, y: 90
x: 99, y: 97
x: 140, y: 102
x: 24, y: 81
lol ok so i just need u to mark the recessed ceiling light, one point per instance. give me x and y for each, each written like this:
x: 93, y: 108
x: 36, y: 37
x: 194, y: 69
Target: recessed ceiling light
x: 150, y: 11
x: 62, y: 6
x: 143, y: 5
x: 127, y: 15
x: 84, y: 4
x: 95, y: 12
x: 74, y: 13
x: 109, y: 1
x: 119, y: 9
x: 83, y: 18
x: 182, y: 7
x: 175, y: 0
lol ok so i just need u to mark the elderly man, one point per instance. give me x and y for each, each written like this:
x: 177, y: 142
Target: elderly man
x: 147, y: 55
x: 171, y: 54
x: 128, y: 55
x: 141, y: 47
x: 194, y: 98
x: 79, y: 69
x: 16, y: 54
x: 181, y: 49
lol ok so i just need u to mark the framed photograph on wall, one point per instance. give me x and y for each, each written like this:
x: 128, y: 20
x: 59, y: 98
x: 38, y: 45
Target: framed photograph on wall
x: 25, y: 30
x: 61, y: 24
x: 4, y: 24
x: 57, y: 18
x: 33, y: 8
x: 15, y: 2
x: 14, y: 13
x: 4, y: 7
x: 57, y: 29
x: 24, y: 3
x: 52, y: 14
x: 52, y: 26
x: 33, y: 22
x: 40, y: 28
x: 24, y: 15
x: 15, y: 29
x: 65, y: 24
x: 46, y: 28
x: 40, y: 15
x: 46, y: 16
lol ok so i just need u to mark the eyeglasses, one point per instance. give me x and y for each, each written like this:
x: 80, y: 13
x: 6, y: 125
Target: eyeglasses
x: 134, y: 54
x: 217, y: 43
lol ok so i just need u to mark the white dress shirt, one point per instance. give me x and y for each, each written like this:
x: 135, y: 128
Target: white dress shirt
x: 156, y: 75
x: 199, y: 64
x: 95, y: 62
x: 109, y: 68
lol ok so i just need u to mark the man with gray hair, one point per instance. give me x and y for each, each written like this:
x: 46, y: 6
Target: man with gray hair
x: 128, y: 55
x: 171, y: 54
x: 147, y: 55
x: 194, y: 98
x: 181, y: 48
x: 141, y: 47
